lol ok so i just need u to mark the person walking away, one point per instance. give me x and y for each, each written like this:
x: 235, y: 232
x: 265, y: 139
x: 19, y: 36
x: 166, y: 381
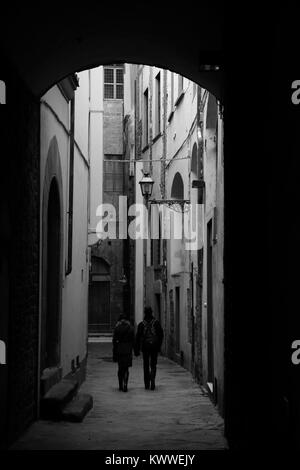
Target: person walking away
x: 149, y: 339
x: 123, y: 343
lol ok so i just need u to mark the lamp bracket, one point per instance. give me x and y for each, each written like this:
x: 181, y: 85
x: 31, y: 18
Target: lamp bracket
x: 182, y: 203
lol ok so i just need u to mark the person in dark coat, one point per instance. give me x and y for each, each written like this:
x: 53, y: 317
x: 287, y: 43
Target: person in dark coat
x: 123, y: 343
x: 149, y: 339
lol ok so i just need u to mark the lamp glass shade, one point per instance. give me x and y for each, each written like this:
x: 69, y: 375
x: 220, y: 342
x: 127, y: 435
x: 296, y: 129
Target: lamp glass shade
x: 146, y: 184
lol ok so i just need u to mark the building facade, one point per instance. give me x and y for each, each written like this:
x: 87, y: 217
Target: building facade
x: 110, y: 288
x: 179, y: 142
x: 64, y: 199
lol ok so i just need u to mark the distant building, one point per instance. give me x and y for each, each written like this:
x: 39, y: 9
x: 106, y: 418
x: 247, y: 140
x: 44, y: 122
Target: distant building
x: 109, y: 293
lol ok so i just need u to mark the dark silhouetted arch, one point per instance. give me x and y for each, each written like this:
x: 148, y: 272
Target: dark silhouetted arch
x: 77, y: 39
x: 177, y: 191
x: 194, y: 162
x: 52, y: 243
x: 52, y: 316
x: 212, y: 112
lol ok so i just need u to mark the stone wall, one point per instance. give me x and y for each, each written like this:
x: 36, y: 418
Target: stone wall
x: 20, y: 166
x: 113, y: 127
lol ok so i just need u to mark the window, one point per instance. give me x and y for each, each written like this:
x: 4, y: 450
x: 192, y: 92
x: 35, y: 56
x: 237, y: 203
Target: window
x: 172, y: 91
x: 179, y: 89
x: 177, y: 190
x: 180, y: 84
x: 157, y: 104
x: 194, y: 161
x: 158, y: 244
x: 177, y: 319
x: 194, y: 89
x: 171, y: 97
x: 113, y: 83
x: 152, y: 249
x: 146, y: 117
x: 113, y: 174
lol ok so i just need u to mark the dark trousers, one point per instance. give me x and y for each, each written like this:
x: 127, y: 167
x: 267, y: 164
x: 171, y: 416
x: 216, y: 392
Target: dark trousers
x: 123, y: 374
x: 150, y: 361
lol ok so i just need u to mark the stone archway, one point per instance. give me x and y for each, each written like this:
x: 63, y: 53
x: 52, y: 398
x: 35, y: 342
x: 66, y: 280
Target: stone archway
x: 81, y: 41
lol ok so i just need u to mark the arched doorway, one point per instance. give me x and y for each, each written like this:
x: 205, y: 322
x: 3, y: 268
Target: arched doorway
x: 177, y: 260
x: 177, y: 187
x: 99, y: 296
x: 50, y: 351
x: 51, y: 268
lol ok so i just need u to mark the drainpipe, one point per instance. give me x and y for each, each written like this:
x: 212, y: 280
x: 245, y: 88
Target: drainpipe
x: 201, y: 199
x: 71, y: 187
x: 163, y: 196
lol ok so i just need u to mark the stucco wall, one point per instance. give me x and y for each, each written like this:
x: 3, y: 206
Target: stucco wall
x: 75, y: 285
x: 96, y: 149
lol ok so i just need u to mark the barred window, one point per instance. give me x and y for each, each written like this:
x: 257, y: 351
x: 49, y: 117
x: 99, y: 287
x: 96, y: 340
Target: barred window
x: 119, y: 92
x: 108, y: 91
x: 109, y: 75
x: 119, y: 75
x: 113, y: 82
x: 113, y: 174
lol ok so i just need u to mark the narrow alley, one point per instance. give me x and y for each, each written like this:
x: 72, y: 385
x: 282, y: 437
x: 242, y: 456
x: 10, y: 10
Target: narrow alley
x: 131, y: 229
x: 148, y: 204
x: 177, y: 415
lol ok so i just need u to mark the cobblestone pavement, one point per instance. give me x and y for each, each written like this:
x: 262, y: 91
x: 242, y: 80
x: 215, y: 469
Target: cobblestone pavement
x: 177, y: 415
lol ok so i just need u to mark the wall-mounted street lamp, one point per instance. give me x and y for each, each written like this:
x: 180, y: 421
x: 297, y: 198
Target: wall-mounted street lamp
x: 146, y: 185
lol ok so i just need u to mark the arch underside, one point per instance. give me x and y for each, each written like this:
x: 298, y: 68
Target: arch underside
x: 68, y: 41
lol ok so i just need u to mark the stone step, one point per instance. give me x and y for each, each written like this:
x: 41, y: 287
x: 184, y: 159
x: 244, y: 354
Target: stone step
x: 57, y: 397
x: 76, y: 409
x: 50, y: 377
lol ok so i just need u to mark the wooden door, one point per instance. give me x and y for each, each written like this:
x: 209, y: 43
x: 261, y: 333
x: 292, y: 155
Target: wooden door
x: 99, y: 307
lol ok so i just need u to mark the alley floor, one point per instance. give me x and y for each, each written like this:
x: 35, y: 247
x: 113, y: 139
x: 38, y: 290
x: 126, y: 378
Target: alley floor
x: 177, y: 415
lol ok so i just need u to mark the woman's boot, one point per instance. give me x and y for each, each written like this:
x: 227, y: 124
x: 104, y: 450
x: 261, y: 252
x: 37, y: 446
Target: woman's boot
x: 126, y: 375
x: 120, y: 377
